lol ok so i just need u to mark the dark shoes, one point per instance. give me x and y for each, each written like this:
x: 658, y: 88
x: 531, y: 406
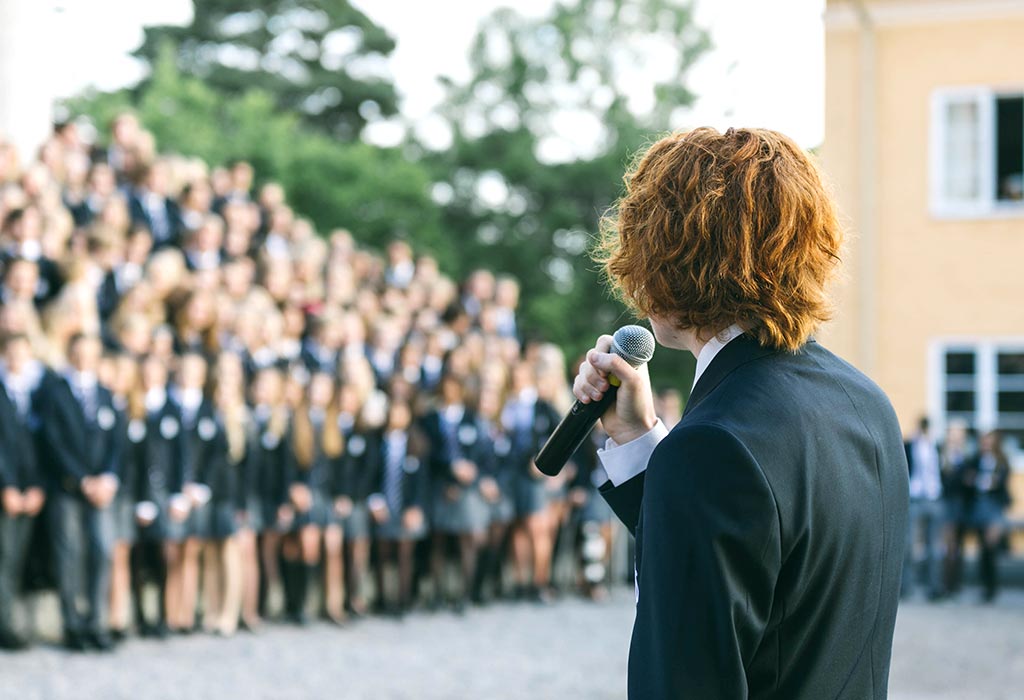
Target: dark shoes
x: 158, y: 631
x: 75, y: 641
x: 12, y: 641
x: 100, y: 641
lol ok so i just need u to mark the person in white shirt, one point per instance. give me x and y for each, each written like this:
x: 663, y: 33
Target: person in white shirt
x: 927, y: 512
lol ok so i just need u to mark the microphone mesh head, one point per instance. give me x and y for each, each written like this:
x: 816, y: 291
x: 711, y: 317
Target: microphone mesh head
x: 635, y: 344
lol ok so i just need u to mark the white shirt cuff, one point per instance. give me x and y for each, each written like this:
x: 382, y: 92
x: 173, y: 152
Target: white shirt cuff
x: 623, y: 462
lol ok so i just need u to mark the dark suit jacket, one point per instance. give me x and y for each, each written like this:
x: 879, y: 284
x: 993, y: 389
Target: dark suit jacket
x: 415, y: 478
x: 355, y: 473
x: 770, y: 527
x: 79, y: 445
x: 471, y: 442
x: 19, y: 461
x: 160, y: 449
x: 171, y: 231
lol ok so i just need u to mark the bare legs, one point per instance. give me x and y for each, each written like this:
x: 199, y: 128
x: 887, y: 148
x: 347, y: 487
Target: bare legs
x: 120, y: 587
x: 222, y: 585
x: 249, y: 564
x: 334, y: 573
x: 360, y: 551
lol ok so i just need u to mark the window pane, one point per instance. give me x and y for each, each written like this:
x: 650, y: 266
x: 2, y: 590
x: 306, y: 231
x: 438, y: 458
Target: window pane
x: 960, y: 401
x: 959, y: 363
x: 1010, y: 149
x: 962, y: 149
x: 1013, y: 440
x: 1011, y: 401
x: 1011, y: 363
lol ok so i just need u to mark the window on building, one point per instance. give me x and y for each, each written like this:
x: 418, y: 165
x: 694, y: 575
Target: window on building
x: 982, y: 384
x: 977, y: 152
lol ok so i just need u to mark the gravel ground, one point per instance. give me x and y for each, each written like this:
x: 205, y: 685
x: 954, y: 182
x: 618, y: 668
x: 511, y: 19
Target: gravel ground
x: 574, y: 649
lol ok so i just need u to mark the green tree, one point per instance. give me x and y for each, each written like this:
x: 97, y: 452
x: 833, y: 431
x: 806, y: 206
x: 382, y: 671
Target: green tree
x: 541, y: 135
x: 324, y: 60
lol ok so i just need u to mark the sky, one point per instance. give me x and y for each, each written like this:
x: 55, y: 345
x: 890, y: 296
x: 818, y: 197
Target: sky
x: 766, y: 68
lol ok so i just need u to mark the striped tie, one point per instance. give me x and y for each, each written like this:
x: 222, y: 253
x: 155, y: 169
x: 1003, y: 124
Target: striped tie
x: 392, y: 477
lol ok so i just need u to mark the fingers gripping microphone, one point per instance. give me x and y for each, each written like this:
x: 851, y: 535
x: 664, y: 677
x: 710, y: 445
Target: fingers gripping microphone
x: 634, y: 344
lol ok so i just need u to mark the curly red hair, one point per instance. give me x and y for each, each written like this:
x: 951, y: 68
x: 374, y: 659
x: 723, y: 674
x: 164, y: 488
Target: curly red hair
x: 716, y: 229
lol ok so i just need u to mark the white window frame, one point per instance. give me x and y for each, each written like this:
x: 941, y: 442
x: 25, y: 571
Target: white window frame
x: 986, y: 380
x: 986, y: 206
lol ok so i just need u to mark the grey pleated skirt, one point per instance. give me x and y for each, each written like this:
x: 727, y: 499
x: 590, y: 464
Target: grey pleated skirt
x: 468, y: 513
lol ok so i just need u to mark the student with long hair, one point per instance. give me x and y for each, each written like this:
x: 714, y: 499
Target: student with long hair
x: 461, y: 459
x: 267, y: 465
x: 198, y: 423
x: 500, y: 497
x: 529, y: 420
x: 358, y: 418
x: 986, y: 478
x: 161, y: 458
x: 224, y: 439
x: 316, y: 444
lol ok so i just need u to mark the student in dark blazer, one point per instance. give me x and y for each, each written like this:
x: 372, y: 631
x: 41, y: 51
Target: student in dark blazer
x: 361, y: 416
x: 161, y: 457
x: 461, y: 463
x: 770, y: 522
x: 267, y: 459
x: 199, y: 425
x: 21, y: 479
x: 528, y: 420
x: 120, y: 374
x: 83, y: 450
x: 986, y: 479
x: 225, y: 441
x: 500, y: 498
x: 149, y: 205
x: 399, y: 503
x: 316, y: 445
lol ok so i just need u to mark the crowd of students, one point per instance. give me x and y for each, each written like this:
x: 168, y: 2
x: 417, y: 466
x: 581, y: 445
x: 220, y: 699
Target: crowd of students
x: 958, y: 487
x: 211, y: 415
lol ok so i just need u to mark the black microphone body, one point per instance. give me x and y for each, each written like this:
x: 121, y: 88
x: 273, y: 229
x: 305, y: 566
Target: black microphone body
x: 634, y: 344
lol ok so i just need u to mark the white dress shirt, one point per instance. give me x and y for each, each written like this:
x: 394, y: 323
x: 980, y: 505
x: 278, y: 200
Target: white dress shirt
x: 623, y: 462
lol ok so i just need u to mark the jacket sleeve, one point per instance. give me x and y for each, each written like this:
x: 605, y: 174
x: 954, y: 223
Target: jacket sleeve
x: 183, y: 470
x: 710, y: 557
x: 625, y: 500
x: 114, y: 462
x: 7, y: 444
x: 440, y: 459
x: 367, y: 467
x: 65, y: 459
x: 486, y: 460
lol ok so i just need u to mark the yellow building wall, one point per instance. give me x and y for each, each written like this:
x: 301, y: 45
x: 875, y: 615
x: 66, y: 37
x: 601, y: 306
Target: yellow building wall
x: 934, y: 278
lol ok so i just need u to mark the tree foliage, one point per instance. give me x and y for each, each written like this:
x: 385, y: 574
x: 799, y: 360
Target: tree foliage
x: 323, y: 60
x: 541, y: 135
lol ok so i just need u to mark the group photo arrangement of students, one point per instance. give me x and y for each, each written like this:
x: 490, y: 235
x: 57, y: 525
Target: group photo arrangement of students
x: 213, y: 417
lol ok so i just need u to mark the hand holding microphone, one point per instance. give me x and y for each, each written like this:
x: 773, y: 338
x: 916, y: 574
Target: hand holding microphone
x: 612, y: 385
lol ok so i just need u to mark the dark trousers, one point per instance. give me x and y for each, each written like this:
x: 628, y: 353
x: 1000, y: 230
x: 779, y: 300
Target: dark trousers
x: 83, y: 543
x: 15, y: 535
x: 926, y: 521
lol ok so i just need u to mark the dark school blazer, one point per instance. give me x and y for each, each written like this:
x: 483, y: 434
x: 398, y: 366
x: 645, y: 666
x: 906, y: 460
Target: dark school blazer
x: 770, y: 527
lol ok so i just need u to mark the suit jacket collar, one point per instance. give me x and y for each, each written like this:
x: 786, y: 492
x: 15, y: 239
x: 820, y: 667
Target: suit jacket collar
x: 738, y: 352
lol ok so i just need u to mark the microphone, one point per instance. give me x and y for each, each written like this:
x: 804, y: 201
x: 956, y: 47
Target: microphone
x: 634, y: 344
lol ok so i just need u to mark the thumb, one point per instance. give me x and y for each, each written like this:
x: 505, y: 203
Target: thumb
x: 610, y: 363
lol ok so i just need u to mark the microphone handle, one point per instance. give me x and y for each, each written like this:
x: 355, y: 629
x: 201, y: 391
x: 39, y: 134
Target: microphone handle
x: 571, y: 432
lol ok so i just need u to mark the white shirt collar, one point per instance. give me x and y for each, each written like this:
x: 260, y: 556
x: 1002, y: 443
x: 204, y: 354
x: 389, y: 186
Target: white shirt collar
x: 155, y: 399
x: 713, y: 347
x: 81, y: 381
